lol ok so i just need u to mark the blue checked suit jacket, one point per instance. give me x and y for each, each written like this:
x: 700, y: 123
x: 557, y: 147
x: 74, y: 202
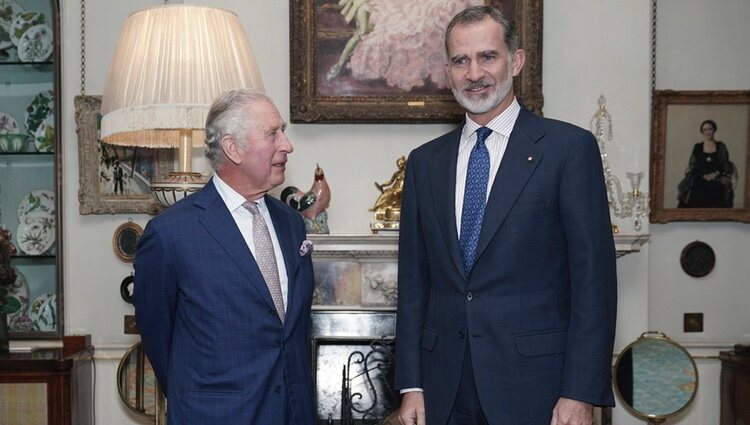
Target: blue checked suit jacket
x: 208, y: 323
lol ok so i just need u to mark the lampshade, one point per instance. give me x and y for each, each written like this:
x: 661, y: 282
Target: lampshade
x: 170, y: 62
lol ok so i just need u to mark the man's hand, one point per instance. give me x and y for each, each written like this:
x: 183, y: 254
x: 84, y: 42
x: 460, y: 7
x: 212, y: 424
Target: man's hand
x: 572, y: 412
x: 412, y: 409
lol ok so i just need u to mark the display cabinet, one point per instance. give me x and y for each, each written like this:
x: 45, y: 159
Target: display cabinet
x: 30, y: 165
x: 51, y: 386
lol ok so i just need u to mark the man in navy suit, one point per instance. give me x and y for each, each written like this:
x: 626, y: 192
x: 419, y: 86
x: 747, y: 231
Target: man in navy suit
x: 224, y: 317
x: 507, y: 282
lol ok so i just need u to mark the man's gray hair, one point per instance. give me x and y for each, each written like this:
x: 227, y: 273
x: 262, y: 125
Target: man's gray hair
x: 477, y: 14
x: 228, y: 116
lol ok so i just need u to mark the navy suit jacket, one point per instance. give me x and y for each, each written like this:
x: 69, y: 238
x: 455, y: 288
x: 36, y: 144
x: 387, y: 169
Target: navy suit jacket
x: 539, y: 306
x: 208, y: 323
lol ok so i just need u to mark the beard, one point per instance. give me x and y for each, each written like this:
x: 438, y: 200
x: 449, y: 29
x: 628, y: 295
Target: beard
x: 483, y: 103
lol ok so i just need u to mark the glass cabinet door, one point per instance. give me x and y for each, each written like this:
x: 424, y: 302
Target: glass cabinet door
x: 30, y: 166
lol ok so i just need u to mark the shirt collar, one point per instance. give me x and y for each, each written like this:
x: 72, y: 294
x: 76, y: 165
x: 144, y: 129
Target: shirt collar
x: 502, y: 124
x: 231, y: 198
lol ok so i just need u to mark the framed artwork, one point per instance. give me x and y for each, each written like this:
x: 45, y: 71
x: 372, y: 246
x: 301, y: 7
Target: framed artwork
x: 700, y: 157
x: 114, y: 179
x: 125, y: 239
x: 382, y: 61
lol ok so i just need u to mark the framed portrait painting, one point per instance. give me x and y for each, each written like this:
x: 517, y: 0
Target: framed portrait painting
x: 700, y: 156
x: 382, y: 61
x: 114, y: 179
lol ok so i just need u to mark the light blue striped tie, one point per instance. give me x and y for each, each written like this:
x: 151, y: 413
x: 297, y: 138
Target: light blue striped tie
x: 475, y: 197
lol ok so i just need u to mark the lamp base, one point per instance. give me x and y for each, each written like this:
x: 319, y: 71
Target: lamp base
x: 177, y: 186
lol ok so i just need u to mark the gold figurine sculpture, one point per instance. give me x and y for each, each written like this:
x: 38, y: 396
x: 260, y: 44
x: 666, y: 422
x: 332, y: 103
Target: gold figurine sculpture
x: 387, y: 207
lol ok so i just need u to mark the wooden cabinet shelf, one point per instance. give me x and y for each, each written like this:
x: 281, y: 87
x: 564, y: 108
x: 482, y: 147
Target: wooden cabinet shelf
x: 47, y: 387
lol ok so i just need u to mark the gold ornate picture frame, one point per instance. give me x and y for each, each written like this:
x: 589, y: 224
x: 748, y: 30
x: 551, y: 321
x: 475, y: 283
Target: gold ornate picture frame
x: 676, y: 133
x: 114, y: 179
x: 391, y: 85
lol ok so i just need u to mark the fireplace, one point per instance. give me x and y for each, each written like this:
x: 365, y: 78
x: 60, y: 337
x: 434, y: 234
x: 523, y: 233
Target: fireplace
x: 353, y: 327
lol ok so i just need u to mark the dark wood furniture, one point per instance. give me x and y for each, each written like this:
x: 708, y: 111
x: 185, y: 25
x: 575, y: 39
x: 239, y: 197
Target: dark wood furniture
x: 47, y: 387
x: 735, y: 386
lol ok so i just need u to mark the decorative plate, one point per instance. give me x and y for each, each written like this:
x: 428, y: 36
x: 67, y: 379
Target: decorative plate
x: 36, y: 204
x: 43, y: 312
x: 697, y: 259
x: 8, y: 10
x: 44, y: 137
x: 16, y: 296
x: 40, y: 107
x: 8, y: 124
x: 35, y: 238
x: 21, y: 323
x: 22, y: 22
x: 36, y: 44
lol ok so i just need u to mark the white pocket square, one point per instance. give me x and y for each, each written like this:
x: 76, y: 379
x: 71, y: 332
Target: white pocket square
x: 306, y: 247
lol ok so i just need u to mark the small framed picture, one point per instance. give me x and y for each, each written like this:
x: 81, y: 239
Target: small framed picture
x: 125, y: 239
x: 700, y: 156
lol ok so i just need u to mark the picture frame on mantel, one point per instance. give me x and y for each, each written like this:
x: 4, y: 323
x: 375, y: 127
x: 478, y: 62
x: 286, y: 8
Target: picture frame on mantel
x: 687, y: 183
x: 114, y: 179
x: 386, y: 75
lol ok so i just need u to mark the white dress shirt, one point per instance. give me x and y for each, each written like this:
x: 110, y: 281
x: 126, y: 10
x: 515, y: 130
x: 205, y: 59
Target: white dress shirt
x: 501, y: 126
x: 244, y: 220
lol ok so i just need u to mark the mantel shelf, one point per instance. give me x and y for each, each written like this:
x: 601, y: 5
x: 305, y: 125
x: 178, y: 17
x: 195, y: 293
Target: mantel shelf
x: 386, y: 244
x: 625, y: 244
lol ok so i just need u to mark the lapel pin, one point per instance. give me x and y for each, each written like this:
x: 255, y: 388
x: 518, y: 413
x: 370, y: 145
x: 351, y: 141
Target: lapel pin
x: 530, y: 159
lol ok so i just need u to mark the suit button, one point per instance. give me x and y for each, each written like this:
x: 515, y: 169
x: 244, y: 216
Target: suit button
x: 469, y: 296
x: 461, y: 334
x: 277, y: 389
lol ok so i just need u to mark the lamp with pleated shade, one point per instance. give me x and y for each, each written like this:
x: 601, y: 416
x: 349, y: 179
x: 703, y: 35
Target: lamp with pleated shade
x: 170, y: 63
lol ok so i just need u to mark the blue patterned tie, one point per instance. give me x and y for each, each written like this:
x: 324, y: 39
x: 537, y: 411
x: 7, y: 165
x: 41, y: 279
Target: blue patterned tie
x: 475, y: 197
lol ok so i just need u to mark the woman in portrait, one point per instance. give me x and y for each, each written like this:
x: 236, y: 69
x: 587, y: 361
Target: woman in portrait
x: 708, y: 178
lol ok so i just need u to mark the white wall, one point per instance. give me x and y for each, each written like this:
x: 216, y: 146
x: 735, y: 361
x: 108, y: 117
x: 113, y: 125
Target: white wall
x: 590, y: 48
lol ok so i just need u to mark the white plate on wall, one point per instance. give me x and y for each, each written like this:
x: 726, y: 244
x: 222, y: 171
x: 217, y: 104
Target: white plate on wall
x: 8, y: 10
x: 36, y: 44
x: 44, y: 137
x: 22, y: 22
x: 43, y: 312
x: 8, y: 124
x: 39, y: 203
x: 35, y: 238
x: 41, y: 106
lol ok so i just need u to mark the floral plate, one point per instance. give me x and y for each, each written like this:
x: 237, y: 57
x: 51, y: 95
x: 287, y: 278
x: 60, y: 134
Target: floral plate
x: 44, y: 137
x: 16, y: 296
x: 22, y: 22
x: 8, y: 10
x: 35, y: 238
x: 40, y: 107
x: 43, y: 312
x: 36, y: 204
x: 35, y: 44
x: 8, y: 124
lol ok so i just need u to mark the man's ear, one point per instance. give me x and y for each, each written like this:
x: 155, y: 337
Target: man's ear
x: 231, y: 149
x: 519, y: 59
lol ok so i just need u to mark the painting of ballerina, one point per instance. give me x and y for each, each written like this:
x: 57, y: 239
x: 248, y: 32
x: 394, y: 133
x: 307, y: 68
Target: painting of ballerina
x: 378, y: 52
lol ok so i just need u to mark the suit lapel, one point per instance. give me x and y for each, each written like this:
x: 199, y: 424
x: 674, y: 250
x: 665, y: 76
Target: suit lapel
x: 218, y: 221
x: 521, y: 158
x: 442, y: 170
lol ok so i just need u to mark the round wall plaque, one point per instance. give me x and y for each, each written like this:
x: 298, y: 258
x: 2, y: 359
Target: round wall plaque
x: 697, y: 259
